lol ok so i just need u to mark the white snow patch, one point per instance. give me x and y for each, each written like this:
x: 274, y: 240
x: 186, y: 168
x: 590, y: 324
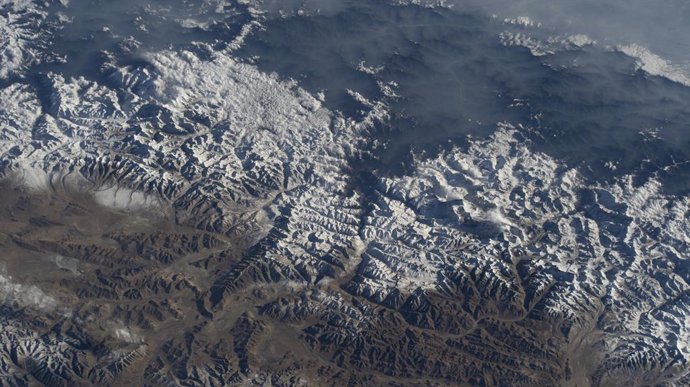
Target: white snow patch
x: 521, y: 21
x: 654, y: 64
x: 126, y: 335
x: 371, y: 70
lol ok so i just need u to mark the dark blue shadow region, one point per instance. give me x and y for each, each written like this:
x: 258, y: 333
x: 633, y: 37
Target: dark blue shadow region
x: 588, y: 107
x: 118, y: 32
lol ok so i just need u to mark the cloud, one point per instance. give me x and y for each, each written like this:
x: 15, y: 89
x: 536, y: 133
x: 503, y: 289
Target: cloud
x: 12, y: 293
x: 616, y: 23
x: 121, y: 198
x: 125, y: 334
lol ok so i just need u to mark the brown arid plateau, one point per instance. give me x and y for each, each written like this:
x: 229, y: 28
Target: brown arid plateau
x: 135, y: 307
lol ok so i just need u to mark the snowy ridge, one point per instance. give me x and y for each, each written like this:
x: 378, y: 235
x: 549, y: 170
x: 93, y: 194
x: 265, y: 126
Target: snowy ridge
x: 22, y: 35
x: 220, y: 124
x: 523, y: 32
x: 533, y: 242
